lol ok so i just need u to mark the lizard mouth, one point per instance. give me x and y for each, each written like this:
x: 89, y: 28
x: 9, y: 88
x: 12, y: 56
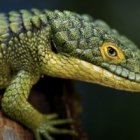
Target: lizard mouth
x: 122, y: 72
x: 114, y: 77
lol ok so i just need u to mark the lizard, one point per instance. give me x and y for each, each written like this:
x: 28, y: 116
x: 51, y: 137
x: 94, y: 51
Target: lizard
x: 60, y: 44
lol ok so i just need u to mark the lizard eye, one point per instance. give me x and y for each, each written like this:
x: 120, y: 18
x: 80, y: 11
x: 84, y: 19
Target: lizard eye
x: 111, y: 52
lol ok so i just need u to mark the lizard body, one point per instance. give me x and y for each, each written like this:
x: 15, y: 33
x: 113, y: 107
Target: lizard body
x: 60, y: 44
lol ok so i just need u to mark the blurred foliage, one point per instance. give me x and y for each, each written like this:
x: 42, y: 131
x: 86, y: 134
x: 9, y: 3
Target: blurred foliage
x: 107, y: 113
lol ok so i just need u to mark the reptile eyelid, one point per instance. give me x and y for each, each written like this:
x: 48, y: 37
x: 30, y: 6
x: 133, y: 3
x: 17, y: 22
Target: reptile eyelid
x: 116, y: 58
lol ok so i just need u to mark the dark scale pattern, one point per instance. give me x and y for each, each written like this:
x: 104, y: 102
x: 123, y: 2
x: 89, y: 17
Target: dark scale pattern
x: 14, y: 22
x: 75, y: 34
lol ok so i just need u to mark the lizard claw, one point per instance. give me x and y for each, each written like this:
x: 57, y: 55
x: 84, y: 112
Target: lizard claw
x: 48, y: 127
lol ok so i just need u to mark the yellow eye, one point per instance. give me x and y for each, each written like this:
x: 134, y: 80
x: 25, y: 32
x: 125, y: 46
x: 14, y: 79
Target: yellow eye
x: 110, y: 51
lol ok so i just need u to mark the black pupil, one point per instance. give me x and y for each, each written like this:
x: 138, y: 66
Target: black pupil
x: 112, y: 51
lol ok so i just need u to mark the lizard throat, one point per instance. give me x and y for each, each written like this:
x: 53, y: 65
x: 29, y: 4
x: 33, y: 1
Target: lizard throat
x: 76, y: 69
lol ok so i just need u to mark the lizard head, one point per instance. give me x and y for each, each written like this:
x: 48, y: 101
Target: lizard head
x: 98, y: 54
x: 116, y: 53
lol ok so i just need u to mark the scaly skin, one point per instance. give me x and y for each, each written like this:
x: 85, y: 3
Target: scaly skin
x: 65, y: 45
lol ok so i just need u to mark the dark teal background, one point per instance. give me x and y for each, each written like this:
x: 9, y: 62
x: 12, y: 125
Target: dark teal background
x: 107, y: 113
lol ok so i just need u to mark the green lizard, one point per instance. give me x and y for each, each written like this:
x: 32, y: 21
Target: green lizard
x: 59, y: 44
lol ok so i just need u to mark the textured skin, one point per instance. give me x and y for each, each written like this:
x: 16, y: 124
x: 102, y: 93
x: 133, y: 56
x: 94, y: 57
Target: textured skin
x: 60, y: 44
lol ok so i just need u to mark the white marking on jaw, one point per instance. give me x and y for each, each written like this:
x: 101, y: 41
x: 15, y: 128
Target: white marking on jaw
x: 107, y: 74
x: 97, y: 73
x: 107, y: 78
x: 96, y: 68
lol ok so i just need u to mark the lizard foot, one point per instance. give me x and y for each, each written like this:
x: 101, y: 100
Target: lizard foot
x: 48, y: 127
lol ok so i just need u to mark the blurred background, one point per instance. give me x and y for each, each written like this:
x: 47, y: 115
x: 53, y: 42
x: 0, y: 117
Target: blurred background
x: 107, y: 113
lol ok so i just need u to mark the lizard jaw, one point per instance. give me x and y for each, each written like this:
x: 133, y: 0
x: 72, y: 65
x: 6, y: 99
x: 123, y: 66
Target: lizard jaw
x: 76, y: 69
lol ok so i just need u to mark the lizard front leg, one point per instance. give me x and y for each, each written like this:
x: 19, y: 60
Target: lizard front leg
x: 15, y: 104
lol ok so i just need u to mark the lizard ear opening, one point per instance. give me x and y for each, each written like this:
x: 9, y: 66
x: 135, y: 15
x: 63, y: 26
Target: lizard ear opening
x: 111, y: 52
x: 53, y: 46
